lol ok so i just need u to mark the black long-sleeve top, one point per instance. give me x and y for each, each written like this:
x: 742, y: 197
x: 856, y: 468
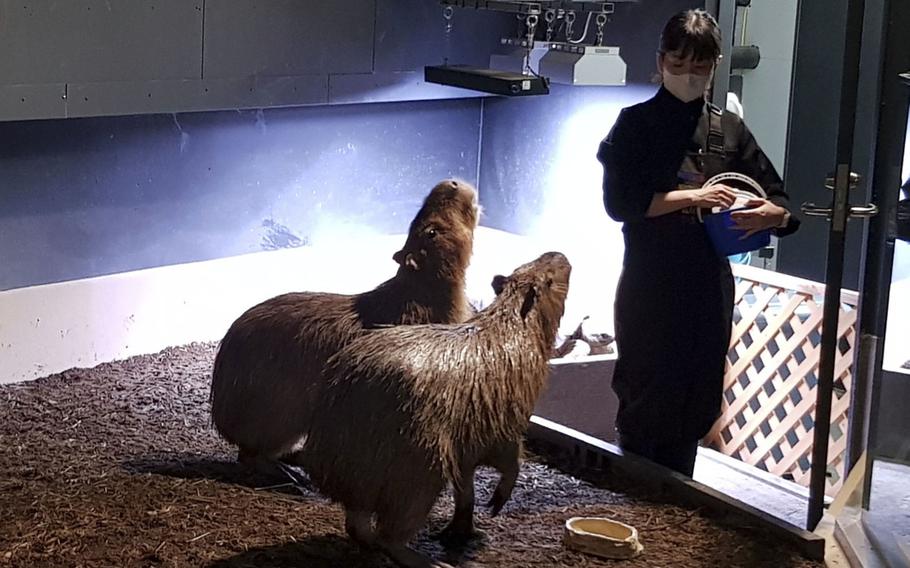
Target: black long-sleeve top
x: 642, y: 156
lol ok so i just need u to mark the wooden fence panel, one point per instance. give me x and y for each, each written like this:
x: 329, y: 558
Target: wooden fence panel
x: 772, y: 373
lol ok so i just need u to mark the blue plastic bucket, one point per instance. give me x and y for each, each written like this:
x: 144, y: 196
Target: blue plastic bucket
x: 727, y: 239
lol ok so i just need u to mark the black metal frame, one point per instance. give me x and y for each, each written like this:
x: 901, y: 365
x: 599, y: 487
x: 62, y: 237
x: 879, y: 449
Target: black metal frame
x: 890, y: 56
x: 867, y: 117
x: 536, y: 8
x: 840, y: 211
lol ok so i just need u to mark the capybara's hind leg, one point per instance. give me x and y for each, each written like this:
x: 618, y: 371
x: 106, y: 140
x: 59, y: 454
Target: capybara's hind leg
x: 359, y: 526
x: 461, y: 528
x: 507, y: 459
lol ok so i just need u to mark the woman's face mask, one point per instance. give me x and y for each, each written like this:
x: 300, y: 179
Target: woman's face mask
x: 687, y: 80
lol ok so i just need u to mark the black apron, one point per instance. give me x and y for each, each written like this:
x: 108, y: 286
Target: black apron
x: 674, y: 312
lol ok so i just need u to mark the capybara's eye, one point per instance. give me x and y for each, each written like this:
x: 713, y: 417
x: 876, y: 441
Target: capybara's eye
x: 431, y: 232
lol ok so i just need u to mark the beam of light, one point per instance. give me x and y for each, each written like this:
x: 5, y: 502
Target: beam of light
x: 572, y: 216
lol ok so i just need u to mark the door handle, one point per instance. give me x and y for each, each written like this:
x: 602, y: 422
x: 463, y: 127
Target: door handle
x: 814, y: 210
x: 858, y: 211
x: 864, y: 211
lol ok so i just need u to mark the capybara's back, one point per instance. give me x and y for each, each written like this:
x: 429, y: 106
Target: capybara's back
x: 267, y: 374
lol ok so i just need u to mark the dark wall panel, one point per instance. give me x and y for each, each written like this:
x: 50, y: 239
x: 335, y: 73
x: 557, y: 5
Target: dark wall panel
x: 412, y: 33
x: 287, y: 37
x: 99, y: 40
x: 85, y: 197
x: 135, y: 57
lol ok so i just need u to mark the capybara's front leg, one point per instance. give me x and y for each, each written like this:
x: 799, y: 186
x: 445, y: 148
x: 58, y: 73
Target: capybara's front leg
x: 461, y: 528
x: 507, y: 459
x: 396, y: 525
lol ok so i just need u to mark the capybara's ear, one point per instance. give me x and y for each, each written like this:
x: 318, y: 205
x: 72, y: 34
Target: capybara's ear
x: 499, y: 283
x: 530, y: 300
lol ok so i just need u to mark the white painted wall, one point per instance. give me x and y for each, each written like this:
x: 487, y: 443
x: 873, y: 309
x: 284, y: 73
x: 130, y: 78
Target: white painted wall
x: 51, y: 328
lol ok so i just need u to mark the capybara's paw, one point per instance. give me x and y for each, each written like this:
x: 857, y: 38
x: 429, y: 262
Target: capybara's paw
x: 452, y: 536
x: 497, y: 501
x: 409, y: 558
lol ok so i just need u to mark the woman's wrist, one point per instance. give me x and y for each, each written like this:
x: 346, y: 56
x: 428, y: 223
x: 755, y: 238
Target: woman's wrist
x: 689, y: 197
x: 784, y: 219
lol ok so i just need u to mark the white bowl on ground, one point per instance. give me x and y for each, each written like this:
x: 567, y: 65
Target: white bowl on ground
x: 602, y: 537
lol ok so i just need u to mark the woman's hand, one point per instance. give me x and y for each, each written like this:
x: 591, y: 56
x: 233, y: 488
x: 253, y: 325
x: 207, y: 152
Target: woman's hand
x: 759, y: 214
x: 714, y: 196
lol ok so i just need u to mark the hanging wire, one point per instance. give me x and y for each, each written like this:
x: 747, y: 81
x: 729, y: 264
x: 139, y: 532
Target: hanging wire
x: 570, y: 22
x: 531, y: 21
x: 448, y: 14
x: 584, y: 33
x: 550, y: 18
x: 601, y: 20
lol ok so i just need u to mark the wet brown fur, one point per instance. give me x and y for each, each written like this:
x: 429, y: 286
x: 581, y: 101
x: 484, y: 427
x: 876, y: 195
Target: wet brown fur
x: 410, y: 408
x: 268, y: 371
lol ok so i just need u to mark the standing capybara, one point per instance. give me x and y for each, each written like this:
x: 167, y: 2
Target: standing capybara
x: 408, y: 408
x: 267, y: 373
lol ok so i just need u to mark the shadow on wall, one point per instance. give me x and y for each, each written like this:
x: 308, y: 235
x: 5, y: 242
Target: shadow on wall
x: 86, y: 197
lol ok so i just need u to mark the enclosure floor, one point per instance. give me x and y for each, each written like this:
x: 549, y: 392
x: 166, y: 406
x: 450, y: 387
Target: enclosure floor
x: 117, y: 466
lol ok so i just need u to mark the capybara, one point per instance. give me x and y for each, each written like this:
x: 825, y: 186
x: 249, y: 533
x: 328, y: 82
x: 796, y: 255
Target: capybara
x: 267, y: 373
x: 407, y: 409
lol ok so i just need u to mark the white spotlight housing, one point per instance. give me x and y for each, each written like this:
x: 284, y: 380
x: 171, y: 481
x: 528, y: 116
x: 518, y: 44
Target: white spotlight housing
x: 572, y: 64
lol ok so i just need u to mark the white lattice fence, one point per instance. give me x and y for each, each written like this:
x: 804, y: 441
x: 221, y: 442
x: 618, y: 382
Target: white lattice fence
x: 772, y: 372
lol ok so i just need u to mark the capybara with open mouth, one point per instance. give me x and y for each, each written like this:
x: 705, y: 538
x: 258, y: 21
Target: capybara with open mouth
x: 409, y: 408
x: 267, y: 373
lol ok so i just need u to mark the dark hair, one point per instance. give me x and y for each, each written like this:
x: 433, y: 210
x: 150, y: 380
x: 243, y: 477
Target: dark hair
x: 691, y: 32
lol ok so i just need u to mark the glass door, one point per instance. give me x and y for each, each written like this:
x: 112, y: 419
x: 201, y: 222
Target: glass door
x: 880, y: 421
x: 886, y: 503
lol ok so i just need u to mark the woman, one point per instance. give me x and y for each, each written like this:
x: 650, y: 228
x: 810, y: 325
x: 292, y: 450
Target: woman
x: 674, y: 301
